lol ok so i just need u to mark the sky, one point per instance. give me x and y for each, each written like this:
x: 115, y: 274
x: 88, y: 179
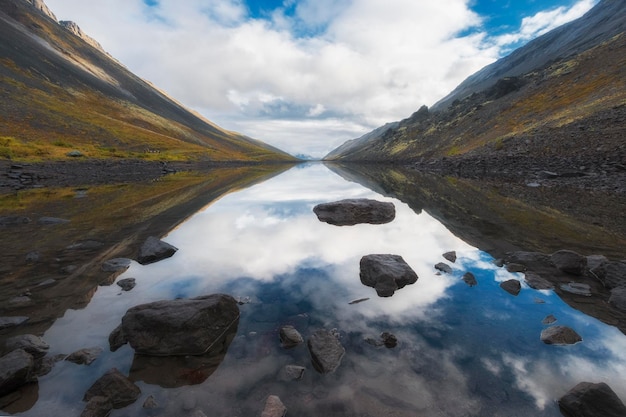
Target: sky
x: 307, y: 75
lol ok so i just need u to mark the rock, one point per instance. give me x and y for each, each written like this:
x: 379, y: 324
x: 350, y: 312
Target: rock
x: 84, y: 356
x: 115, y: 387
x: 74, y: 154
x: 116, y: 265
x: 154, y: 250
x: 32, y: 257
x: 150, y: 403
x: 32, y: 344
x: 618, y: 298
x: 535, y: 281
x: 117, y: 339
x: 354, y: 211
x: 450, y: 256
x: 577, y: 288
x: 591, y: 400
x: 549, y: 319
x: 45, y: 365
x: 511, y: 286
x: 274, y: 407
x: 569, y: 261
x: 515, y: 267
x: 470, y: 279
x: 8, y: 322
x: 290, y: 337
x: 46, y: 283
x: 97, y: 407
x: 16, y: 370
x: 445, y: 268
x: 547, y: 174
x: 595, y: 263
x: 178, y: 327
x: 51, y: 221
x: 560, y: 335
x: 126, y: 284
x: 291, y: 373
x: 386, y: 273
x: 389, y: 340
x: 531, y: 260
x: 21, y: 301
x: 358, y: 300
x: 326, y: 351
x: 13, y: 220
x: 614, y: 275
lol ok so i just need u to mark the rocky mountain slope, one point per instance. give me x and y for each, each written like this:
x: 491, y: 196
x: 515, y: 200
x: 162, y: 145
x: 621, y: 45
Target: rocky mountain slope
x: 63, y: 95
x: 560, y: 99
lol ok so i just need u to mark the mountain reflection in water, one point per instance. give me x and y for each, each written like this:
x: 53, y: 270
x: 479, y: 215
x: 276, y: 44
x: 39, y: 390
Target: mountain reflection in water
x: 461, y: 350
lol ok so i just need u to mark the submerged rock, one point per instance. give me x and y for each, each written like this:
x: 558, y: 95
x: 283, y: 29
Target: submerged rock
x: 386, y: 273
x: 177, y: 327
x: 290, y: 337
x: 560, y: 335
x: 115, y: 387
x: 84, y: 356
x: 127, y: 284
x: 274, y: 407
x: 470, y: 279
x: 511, y: 286
x: 326, y: 351
x: 549, y: 319
x: 154, y: 250
x: 354, y: 211
x: 536, y: 282
x: 592, y: 400
x: 291, y: 373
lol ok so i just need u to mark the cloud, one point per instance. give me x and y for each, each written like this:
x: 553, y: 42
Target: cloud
x: 307, y: 66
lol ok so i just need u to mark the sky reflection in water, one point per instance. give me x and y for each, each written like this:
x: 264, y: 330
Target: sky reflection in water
x: 462, y: 350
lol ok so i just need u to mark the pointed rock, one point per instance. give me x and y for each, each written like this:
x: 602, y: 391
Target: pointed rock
x: 154, y: 250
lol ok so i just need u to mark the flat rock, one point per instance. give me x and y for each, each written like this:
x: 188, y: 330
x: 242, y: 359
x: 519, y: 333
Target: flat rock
x: 537, y: 282
x: 618, y: 298
x: 445, y: 268
x: 114, y: 386
x: 290, y: 337
x: 512, y: 286
x: 386, y: 273
x: 274, y: 407
x: 560, y: 335
x: 84, y: 356
x: 588, y: 399
x: 450, y: 256
x: 51, y: 221
x: 127, y: 284
x: 577, y: 288
x: 14, y: 321
x: 16, y: 370
x: 178, y: 327
x: 355, y: 211
x: 326, y: 351
x: 34, y: 345
x: 569, y: 261
x: 154, y: 250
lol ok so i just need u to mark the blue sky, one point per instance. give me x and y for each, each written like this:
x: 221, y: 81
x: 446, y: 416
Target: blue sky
x: 307, y: 75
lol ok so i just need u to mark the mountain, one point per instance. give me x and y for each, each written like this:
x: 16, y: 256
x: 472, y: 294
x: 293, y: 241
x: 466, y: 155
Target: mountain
x: 62, y: 94
x: 562, y: 92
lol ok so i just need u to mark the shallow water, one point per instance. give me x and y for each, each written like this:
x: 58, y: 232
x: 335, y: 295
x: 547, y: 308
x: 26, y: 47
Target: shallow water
x: 462, y: 351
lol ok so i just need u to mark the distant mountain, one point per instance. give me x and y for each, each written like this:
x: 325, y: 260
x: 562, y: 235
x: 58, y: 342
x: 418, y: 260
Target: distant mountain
x: 560, y: 93
x: 61, y: 94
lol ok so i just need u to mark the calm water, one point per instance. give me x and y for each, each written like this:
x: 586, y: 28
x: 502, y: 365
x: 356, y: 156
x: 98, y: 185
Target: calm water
x: 462, y: 351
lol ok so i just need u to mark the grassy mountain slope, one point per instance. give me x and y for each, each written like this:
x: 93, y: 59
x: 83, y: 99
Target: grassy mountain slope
x: 61, y: 93
x: 572, y: 103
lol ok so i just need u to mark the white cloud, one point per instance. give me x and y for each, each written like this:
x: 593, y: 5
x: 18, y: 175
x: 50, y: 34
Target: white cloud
x: 307, y: 68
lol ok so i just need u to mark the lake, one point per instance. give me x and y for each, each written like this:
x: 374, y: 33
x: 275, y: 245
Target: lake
x: 462, y: 350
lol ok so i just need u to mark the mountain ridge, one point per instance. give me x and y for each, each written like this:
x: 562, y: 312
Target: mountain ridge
x: 555, y: 109
x: 63, y: 92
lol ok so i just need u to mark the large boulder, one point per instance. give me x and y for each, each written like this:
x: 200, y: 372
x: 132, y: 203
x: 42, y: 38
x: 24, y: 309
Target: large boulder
x: 592, y: 400
x: 154, y: 250
x: 560, y: 335
x: 618, y: 298
x: 569, y: 261
x: 326, y: 351
x: 354, y: 211
x: 386, y: 273
x: 177, y: 327
x: 16, y: 369
x: 614, y: 274
x: 115, y: 387
x: 34, y: 345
